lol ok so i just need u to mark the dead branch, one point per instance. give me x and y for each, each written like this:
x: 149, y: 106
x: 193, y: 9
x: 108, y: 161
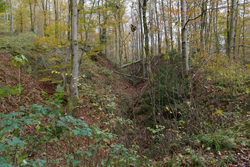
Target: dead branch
x: 131, y: 63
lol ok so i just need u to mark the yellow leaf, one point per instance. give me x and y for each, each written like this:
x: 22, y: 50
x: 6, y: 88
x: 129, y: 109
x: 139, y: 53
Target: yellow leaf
x: 167, y: 108
x: 218, y: 112
x: 247, y: 90
x: 166, y: 57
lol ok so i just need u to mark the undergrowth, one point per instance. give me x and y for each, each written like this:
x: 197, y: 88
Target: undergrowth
x: 31, y: 135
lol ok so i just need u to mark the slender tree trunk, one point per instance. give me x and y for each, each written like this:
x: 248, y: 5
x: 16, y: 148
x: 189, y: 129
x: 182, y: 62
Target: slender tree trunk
x: 133, y: 39
x: 21, y: 19
x: 60, y: 16
x: 158, y: 28
x: 243, y: 32
x: 228, y: 33
x: 56, y: 19
x: 216, y: 29
x: 45, y: 16
x: 99, y: 21
x: 170, y: 24
x: 7, y: 19
x: 49, y: 13
x: 202, y: 26
x: 179, y: 34
x: 116, y: 47
x: 165, y: 28
x: 209, y: 29
x: 138, y: 41
x: 34, y: 15
x: 5, y: 16
x: 69, y: 19
x: 144, y: 9
x: 232, y: 24
x: 184, y: 38
x: 235, y: 29
x: 124, y: 46
x: 74, y: 58
x: 142, y: 40
x: 31, y: 19
x: 45, y: 7
x: 239, y: 36
x: 11, y: 16
x: 120, y: 36
x: 152, y: 49
x: 104, y: 29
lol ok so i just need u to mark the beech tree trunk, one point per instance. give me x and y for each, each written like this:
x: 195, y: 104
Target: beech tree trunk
x: 74, y: 59
x: 31, y: 19
x: 142, y: 40
x: 45, y: 7
x: 11, y: 16
x: 228, y: 33
x: 184, y: 38
x: 216, y: 29
x: 231, y: 34
x: 243, y: 32
x: 170, y: 25
x: 164, y: 25
x: 56, y: 18
x: 179, y: 34
x: 158, y: 28
x: 144, y: 9
x: 69, y: 19
x: 120, y: 37
x: 116, y: 42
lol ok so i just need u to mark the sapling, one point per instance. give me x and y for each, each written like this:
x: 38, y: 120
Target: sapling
x: 17, y: 61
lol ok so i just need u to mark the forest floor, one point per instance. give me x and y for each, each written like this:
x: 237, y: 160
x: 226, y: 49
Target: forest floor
x: 107, y: 80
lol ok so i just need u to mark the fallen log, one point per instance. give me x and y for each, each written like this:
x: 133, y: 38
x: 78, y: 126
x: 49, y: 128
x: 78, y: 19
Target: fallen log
x: 125, y: 65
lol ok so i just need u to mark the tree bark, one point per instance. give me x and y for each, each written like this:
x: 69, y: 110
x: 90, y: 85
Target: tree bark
x: 142, y: 41
x: 144, y: 9
x: 152, y: 49
x: 164, y: 22
x: 116, y: 42
x: 104, y: 29
x: 158, y: 28
x: 184, y: 38
x: 235, y: 29
x: 231, y: 34
x: 69, y: 19
x: 216, y: 27
x: 45, y: 7
x: 56, y: 19
x: 179, y: 34
x: 11, y: 16
x: 7, y: 19
x: 31, y: 19
x: 243, y: 32
x: 228, y: 33
x: 170, y: 24
x: 120, y: 37
x: 74, y: 58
